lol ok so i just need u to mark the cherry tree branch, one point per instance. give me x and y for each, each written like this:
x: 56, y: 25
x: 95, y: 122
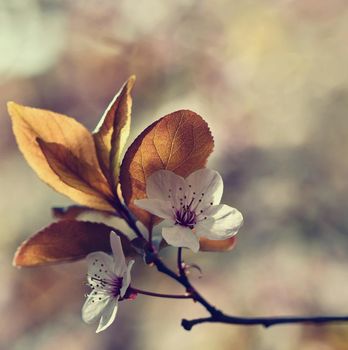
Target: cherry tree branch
x: 217, y: 316
x: 261, y: 321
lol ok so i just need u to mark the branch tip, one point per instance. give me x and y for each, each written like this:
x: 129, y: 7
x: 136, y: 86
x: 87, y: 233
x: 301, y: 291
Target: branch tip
x: 186, y: 324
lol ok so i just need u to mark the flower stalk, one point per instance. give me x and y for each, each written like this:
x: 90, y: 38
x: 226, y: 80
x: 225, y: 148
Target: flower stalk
x: 181, y: 264
x: 160, y: 295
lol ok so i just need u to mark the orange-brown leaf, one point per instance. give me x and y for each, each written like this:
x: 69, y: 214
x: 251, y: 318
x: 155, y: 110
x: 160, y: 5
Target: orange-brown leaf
x: 74, y: 171
x: 112, y: 132
x: 180, y: 142
x: 210, y: 245
x: 30, y: 123
x: 65, y: 241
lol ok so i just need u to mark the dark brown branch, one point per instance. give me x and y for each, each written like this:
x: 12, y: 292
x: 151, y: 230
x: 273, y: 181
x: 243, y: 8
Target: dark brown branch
x: 184, y: 281
x: 262, y: 321
x: 216, y: 316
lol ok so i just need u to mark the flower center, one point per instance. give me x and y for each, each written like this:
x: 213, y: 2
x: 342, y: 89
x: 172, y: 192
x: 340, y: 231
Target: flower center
x: 185, y: 217
x: 111, y: 286
x: 116, y: 285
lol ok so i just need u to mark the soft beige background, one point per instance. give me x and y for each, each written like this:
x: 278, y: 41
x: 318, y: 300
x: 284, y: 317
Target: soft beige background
x: 271, y: 78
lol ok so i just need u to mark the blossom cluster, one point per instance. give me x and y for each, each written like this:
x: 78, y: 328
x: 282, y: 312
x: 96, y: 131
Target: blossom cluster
x: 190, y: 208
x: 159, y: 194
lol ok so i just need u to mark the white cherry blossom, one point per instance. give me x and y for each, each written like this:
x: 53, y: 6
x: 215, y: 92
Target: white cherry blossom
x: 191, y: 207
x: 109, y: 277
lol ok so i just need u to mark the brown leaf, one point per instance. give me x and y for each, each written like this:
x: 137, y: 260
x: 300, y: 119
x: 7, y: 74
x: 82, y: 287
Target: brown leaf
x: 210, y: 245
x: 66, y: 240
x: 112, y: 132
x: 74, y: 171
x: 30, y: 123
x: 180, y: 142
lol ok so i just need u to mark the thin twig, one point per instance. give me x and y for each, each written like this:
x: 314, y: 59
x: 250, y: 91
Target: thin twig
x: 160, y: 295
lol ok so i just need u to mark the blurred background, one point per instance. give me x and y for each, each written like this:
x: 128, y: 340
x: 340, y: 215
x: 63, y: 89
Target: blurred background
x: 271, y: 78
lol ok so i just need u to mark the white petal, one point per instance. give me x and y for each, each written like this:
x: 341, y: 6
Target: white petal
x: 100, y: 266
x: 180, y: 236
x: 93, y: 306
x: 126, y: 278
x: 108, y: 315
x: 203, y: 229
x: 222, y: 221
x: 158, y: 207
x: 165, y: 185
x: 119, y: 259
x: 206, y: 187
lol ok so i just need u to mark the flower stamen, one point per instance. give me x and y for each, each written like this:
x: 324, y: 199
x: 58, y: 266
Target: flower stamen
x: 185, y: 217
x: 111, y: 286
